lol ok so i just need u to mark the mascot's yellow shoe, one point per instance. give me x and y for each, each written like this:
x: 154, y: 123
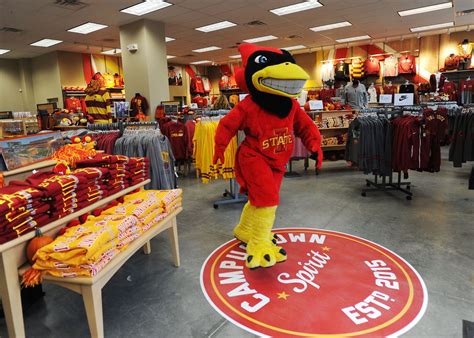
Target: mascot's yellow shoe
x: 261, y: 251
x: 243, y: 230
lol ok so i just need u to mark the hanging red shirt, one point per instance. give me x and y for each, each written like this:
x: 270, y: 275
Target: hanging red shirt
x: 372, y: 66
x: 407, y: 64
x: 178, y: 136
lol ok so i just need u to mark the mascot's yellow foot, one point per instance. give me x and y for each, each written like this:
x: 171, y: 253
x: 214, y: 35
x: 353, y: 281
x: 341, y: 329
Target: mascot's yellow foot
x: 261, y: 248
x: 260, y: 254
x: 280, y: 253
x: 243, y: 231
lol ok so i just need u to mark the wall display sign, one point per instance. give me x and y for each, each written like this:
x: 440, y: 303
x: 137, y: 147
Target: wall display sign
x: 331, y: 284
x: 22, y: 151
x: 316, y: 104
x: 385, y: 98
x: 405, y: 99
x: 175, y: 75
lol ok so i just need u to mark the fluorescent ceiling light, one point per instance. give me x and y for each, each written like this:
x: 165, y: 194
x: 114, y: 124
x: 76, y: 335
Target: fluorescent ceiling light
x: 170, y: 57
x: 112, y: 51
x: 355, y: 38
x: 426, y: 9
x: 45, y: 43
x: 206, y: 49
x: 168, y: 39
x: 4, y: 51
x: 216, y: 26
x: 331, y: 26
x: 145, y: 7
x: 294, y: 47
x: 87, y: 28
x: 427, y: 28
x: 236, y: 56
x: 200, y: 62
x: 299, y: 7
x: 261, y: 38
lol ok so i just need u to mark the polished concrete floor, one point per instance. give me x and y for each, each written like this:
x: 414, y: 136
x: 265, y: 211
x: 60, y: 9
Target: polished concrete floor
x: 148, y: 297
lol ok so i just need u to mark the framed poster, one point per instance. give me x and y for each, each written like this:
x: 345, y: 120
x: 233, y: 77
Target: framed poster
x: 23, y: 151
x: 175, y: 75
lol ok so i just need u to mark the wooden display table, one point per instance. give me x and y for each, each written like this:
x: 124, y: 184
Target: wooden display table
x: 91, y: 287
x: 20, y: 174
x: 12, y: 256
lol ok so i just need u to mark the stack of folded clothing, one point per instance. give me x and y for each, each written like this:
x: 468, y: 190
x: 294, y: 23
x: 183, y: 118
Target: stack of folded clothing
x: 149, y: 206
x: 66, y: 193
x: 116, y: 179
x: 21, y: 210
x: 91, y: 187
x: 138, y: 170
x: 85, y: 249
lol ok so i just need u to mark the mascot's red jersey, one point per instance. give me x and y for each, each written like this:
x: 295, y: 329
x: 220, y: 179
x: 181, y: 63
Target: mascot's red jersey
x: 270, y: 118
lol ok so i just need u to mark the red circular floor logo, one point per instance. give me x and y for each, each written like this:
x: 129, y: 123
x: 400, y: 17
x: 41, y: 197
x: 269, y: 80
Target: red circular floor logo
x: 331, y: 284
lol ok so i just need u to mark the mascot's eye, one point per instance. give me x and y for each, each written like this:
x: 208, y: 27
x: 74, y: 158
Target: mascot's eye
x: 261, y: 59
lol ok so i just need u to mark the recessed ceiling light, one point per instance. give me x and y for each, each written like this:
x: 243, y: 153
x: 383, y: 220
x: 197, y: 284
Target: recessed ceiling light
x: 299, y: 7
x: 261, y: 38
x: 331, y: 26
x: 294, y: 47
x: 427, y: 28
x: 206, y: 49
x: 87, y: 28
x: 112, y: 51
x: 170, y: 57
x: 145, y: 7
x: 168, y: 39
x: 426, y: 9
x: 355, y: 38
x: 236, y: 56
x: 45, y: 43
x: 200, y: 62
x: 216, y: 26
x: 4, y: 51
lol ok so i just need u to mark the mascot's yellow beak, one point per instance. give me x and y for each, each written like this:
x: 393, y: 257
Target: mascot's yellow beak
x: 284, y: 79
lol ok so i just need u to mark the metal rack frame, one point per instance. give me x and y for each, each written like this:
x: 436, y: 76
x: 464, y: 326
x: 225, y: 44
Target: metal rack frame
x: 233, y: 192
x: 388, y: 186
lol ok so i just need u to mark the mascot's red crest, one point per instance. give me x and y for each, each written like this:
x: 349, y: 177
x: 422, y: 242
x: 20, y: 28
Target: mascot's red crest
x: 247, y: 49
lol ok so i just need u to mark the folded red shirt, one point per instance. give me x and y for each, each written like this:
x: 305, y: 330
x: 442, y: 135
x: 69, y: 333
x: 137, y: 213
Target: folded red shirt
x: 91, y: 173
x: 31, y: 221
x: 8, y: 217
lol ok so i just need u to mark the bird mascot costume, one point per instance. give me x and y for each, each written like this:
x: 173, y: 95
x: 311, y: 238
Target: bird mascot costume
x: 271, y: 118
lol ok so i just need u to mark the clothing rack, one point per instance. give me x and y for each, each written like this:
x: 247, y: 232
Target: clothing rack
x: 290, y: 172
x: 385, y: 185
x: 386, y: 181
x: 234, y: 188
x: 233, y: 193
x: 119, y: 125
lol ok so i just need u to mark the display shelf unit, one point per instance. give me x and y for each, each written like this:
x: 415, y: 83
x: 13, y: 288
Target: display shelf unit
x: 334, y: 146
x: 12, y: 257
x: 334, y: 128
x: 65, y: 128
x: 318, y: 115
x: 82, y: 94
